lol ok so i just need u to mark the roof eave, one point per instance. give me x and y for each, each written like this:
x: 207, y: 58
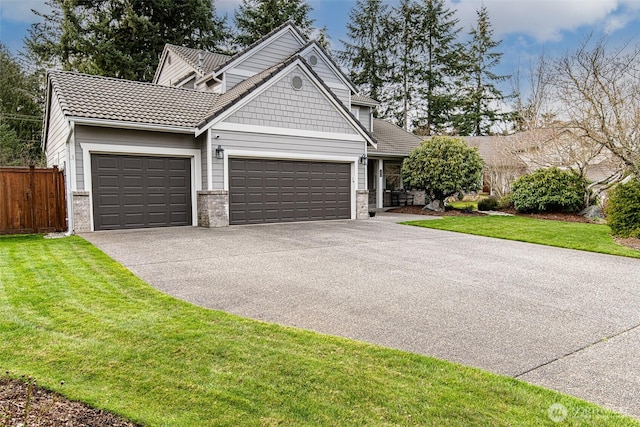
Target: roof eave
x: 91, y: 121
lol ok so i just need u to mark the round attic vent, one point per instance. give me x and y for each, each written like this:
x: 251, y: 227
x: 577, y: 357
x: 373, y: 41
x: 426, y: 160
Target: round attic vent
x: 313, y: 60
x: 296, y: 82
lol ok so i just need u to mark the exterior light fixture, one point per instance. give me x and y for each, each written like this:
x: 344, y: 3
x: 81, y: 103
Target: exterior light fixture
x: 363, y: 159
x: 219, y: 152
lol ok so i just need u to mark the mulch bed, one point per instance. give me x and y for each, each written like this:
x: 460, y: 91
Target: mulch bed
x: 48, y: 409
x: 633, y: 243
x: 556, y: 216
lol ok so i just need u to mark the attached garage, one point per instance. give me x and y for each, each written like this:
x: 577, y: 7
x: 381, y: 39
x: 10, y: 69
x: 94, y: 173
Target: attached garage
x: 140, y: 191
x: 264, y: 191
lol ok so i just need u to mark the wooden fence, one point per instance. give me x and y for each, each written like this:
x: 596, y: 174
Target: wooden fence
x: 32, y: 200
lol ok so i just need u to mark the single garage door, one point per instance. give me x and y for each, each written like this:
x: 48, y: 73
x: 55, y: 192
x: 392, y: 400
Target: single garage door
x: 282, y: 190
x: 140, y: 191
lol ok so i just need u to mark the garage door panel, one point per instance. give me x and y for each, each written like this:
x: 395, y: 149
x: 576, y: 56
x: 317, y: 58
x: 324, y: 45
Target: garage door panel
x: 140, y: 191
x: 281, y: 190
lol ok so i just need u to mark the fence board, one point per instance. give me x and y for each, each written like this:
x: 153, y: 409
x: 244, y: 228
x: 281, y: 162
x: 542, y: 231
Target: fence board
x: 32, y: 200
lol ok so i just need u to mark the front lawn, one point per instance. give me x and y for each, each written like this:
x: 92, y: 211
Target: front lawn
x: 68, y: 312
x: 571, y: 235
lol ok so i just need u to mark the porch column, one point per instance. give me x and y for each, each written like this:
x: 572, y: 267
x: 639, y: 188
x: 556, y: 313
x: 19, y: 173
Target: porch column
x: 380, y: 186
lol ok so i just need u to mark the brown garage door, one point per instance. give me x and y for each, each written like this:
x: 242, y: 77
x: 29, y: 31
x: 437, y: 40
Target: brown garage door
x: 282, y: 190
x: 140, y: 192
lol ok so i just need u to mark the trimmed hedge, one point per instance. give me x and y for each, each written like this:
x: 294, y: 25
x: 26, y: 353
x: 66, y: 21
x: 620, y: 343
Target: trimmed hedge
x: 549, y: 190
x: 623, y: 210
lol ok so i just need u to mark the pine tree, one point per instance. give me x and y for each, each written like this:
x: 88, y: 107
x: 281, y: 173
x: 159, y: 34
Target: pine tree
x: 256, y: 18
x: 406, y: 48
x: 20, y: 113
x: 440, y: 68
x: 481, y: 96
x: 120, y: 38
x: 366, y: 52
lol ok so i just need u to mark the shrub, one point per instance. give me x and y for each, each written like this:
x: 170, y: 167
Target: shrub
x: 488, y: 204
x: 443, y: 166
x: 623, y: 210
x: 505, y: 202
x: 549, y: 190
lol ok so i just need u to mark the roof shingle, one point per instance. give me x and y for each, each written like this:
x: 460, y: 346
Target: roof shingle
x: 210, y: 60
x: 392, y: 140
x: 97, y: 97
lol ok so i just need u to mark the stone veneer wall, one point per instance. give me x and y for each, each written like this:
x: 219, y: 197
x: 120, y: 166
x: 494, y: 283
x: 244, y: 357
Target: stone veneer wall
x: 81, y: 211
x: 213, y: 208
x: 362, y: 204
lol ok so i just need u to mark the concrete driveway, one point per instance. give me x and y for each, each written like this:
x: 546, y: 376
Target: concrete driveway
x: 564, y: 319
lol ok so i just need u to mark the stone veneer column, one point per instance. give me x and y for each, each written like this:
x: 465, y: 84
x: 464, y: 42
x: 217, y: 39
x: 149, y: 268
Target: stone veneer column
x: 81, y: 211
x: 213, y: 208
x: 362, y: 204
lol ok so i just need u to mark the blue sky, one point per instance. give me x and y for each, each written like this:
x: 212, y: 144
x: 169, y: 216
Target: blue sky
x: 527, y: 27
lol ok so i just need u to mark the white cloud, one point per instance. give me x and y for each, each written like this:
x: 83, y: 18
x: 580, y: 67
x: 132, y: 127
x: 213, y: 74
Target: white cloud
x: 20, y: 10
x: 545, y: 20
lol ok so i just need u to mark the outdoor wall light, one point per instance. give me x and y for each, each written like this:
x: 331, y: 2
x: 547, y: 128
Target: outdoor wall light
x: 219, y: 152
x: 363, y: 159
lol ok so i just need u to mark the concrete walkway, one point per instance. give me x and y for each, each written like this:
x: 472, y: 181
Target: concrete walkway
x: 564, y: 319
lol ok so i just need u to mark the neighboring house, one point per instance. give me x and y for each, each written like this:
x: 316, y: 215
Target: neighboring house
x: 274, y: 133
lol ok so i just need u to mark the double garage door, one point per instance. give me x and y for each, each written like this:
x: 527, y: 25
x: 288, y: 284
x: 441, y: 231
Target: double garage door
x: 145, y: 191
x: 282, y: 190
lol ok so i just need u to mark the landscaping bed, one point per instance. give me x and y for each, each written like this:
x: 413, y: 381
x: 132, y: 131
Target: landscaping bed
x: 555, y: 216
x: 24, y: 403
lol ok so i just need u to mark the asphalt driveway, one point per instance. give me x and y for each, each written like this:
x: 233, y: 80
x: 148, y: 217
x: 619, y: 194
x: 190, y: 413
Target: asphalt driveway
x: 564, y: 319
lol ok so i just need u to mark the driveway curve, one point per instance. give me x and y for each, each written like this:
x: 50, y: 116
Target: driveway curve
x: 563, y: 319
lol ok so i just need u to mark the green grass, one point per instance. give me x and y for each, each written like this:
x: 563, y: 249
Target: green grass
x: 571, y: 235
x: 68, y: 312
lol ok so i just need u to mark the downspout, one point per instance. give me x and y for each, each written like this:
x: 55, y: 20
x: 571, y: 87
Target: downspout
x: 69, y: 172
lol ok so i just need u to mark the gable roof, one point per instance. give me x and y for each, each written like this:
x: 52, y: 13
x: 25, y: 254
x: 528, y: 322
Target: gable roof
x: 106, y: 98
x: 244, y: 89
x: 332, y: 64
x: 289, y: 25
x: 364, y: 100
x: 84, y: 96
x: 392, y: 140
x: 191, y: 56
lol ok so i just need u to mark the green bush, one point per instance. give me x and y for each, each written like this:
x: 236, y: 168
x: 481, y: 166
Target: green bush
x: 549, y: 190
x: 488, y: 204
x: 443, y: 166
x: 623, y: 210
x: 506, y: 202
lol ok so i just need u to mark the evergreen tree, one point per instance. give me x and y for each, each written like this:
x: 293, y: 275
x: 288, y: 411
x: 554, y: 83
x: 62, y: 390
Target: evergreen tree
x: 367, y: 48
x: 120, y: 38
x: 440, y: 69
x: 256, y: 18
x: 20, y: 113
x: 481, y: 97
x: 406, y: 48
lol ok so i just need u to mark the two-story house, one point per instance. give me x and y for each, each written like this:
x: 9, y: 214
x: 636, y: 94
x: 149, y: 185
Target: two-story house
x: 274, y: 133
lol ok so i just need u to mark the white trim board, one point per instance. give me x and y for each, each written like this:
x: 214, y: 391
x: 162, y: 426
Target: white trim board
x: 196, y: 166
x: 237, y: 127
x: 131, y: 125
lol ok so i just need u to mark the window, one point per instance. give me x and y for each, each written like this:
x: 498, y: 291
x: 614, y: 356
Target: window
x: 356, y: 112
x: 392, y: 176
